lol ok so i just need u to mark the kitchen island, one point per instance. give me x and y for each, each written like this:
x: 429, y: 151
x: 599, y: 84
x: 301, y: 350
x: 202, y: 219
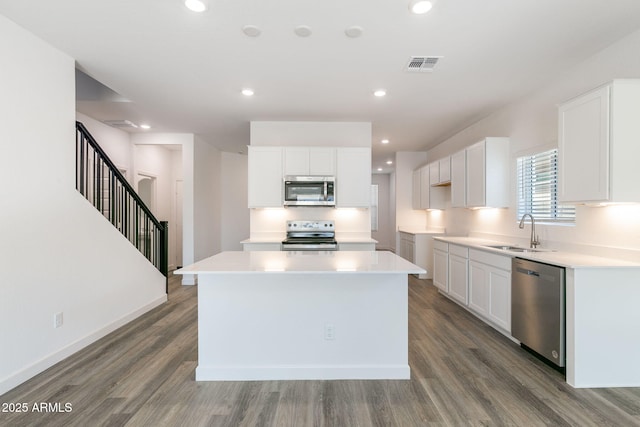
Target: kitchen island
x: 271, y: 315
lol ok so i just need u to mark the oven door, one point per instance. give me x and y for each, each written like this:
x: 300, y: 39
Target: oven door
x: 309, y: 247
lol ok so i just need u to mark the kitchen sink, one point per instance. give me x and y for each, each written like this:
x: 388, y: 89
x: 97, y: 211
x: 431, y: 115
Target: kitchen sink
x: 513, y: 248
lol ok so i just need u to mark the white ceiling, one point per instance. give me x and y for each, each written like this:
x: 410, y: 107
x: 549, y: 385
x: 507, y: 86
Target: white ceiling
x: 183, y: 71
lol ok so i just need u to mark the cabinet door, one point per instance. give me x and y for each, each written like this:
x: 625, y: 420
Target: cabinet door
x: 425, y: 188
x: 322, y: 161
x: 353, y: 177
x: 479, y: 288
x: 416, y: 190
x: 444, y: 166
x: 500, y: 298
x: 583, y: 148
x: 440, y: 270
x: 458, y: 278
x: 434, y: 173
x: 265, y: 177
x: 296, y: 161
x: 458, y: 179
x: 476, y: 175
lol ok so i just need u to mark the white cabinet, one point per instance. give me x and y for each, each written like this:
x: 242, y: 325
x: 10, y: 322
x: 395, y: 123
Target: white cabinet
x: 353, y: 177
x: 424, y: 196
x: 265, y: 184
x: 418, y: 249
x: 459, y: 179
x: 441, y: 265
x: 490, y: 287
x: 598, y: 146
x: 415, y: 190
x: 458, y: 273
x: 309, y: 161
x: 440, y: 172
x: 487, y: 173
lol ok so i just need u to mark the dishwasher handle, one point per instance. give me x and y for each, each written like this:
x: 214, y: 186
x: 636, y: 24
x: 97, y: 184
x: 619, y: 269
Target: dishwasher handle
x: 528, y: 272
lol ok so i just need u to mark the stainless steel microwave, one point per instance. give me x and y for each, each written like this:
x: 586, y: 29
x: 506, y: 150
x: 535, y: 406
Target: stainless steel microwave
x: 309, y: 191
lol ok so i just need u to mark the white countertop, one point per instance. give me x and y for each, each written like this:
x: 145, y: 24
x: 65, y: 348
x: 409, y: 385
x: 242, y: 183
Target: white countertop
x: 548, y: 256
x: 419, y: 230
x: 378, y: 262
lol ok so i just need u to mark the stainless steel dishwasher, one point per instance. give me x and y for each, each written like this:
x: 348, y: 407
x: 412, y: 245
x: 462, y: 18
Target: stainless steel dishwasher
x: 538, y: 308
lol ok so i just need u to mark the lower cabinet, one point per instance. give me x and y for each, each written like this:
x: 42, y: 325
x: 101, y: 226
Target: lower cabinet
x: 458, y: 273
x: 490, y: 287
x: 417, y: 248
x: 441, y: 265
x: 476, y: 279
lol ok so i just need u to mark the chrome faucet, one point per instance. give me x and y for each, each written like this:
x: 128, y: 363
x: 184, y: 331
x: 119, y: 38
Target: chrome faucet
x: 534, y: 239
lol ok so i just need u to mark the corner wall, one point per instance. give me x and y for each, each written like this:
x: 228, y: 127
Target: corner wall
x: 58, y: 253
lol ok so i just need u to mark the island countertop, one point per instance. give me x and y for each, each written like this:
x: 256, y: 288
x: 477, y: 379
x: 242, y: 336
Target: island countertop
x: 300, y: 262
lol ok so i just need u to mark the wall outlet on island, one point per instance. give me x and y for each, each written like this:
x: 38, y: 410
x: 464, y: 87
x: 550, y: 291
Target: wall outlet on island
x: 329, y: 332
x: 58, y: 319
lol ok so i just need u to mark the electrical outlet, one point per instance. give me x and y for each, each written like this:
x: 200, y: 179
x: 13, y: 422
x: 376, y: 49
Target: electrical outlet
x: 58, y: 320
x: 329, y: 332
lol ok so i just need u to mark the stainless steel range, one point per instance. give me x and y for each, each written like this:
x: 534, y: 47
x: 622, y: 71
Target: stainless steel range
x: 310, y: 236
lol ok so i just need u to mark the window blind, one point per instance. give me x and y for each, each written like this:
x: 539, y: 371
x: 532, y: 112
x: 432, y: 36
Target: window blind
x: 538, y: 188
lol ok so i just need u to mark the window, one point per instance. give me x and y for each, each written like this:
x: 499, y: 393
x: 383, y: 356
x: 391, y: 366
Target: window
x: 538, y: 188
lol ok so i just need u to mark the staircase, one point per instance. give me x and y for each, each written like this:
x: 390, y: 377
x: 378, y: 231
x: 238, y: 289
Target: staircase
x: 104, y: 186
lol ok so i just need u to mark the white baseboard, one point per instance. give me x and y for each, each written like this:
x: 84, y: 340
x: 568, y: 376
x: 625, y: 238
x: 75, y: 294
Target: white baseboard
x: 308, y: 372
x: 45, y: 363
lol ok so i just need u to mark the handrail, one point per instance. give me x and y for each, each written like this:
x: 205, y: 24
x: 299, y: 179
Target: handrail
x: 101, y: 183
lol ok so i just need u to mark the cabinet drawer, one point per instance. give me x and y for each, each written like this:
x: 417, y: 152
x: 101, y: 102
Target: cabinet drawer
x: 441, y: 246
x: 502, y: 262
x: 461, y: 251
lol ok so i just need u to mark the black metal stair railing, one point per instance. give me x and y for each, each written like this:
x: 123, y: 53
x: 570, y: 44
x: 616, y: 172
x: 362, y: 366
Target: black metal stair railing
x: 104, y: 186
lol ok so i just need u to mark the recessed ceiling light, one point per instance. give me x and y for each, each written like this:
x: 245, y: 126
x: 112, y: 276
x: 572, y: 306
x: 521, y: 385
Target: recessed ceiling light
x: 247, y: 92
x: 251, y: 30
x: 145, y: 126
x: 196, y: 5
x: 353, y: 32
x: 389, y: 162
x: 302, y: 31
x: 385, y: 141
x: 379, y: 169
x: 380, y: 93
x: 420, y: 7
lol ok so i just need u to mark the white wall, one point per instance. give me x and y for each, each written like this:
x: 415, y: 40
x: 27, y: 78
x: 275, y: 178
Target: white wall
x: 115, y: 142
x: 321, y: 134
x: 58, y: 253
x: 156, y: 161
x: 532, y: 125
x: 386, y: 230
x: 207, y: 211
x: 234, y: 210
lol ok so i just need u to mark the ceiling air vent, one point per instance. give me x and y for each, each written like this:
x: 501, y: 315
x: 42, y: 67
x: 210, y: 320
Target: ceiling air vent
x: 422, y: 64
x: 121, y: 124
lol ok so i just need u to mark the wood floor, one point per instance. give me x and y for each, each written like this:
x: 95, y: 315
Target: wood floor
x: 462, y: 373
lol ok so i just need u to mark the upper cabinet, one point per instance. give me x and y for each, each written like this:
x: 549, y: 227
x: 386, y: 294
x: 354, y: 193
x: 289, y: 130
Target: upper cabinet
x: 268, y: 165
x: 440, y: 172
x: 310, y: 161
x: 424, y: 196
x: 459, y: 179
x: 487, y: 173
x: 353, y: 177
x: 598, y: 145
x: 265, y: 177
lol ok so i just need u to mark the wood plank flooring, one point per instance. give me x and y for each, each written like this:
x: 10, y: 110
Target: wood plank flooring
x: 462, y: 373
